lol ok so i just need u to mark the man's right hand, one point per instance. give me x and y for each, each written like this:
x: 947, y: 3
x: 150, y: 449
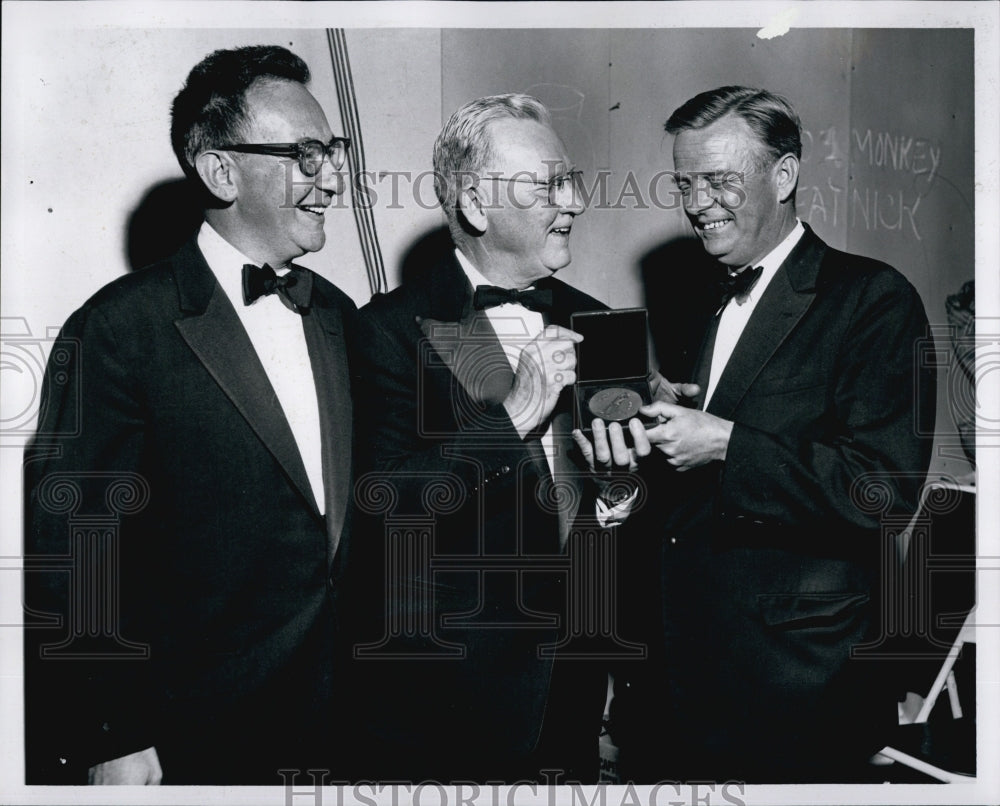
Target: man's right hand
x: 140, y: 769
x: 547, y: 365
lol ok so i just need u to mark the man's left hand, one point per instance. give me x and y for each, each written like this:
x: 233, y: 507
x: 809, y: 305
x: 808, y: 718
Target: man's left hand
x: 687, y: 437
x: 609, y: 460
x: 608, y: 454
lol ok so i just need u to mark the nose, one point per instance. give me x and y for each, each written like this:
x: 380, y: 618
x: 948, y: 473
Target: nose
x: 330, y: 179
x: 570, y: 197
x: 699, y: 195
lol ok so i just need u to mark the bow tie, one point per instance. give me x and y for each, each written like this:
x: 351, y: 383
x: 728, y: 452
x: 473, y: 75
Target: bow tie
x: 489, y: 296
x: 738, y: 285
x: 294, y: 288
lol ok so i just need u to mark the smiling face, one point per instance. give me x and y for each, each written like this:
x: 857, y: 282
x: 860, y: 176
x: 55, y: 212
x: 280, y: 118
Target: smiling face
x: 278, y: 213
x: 739, y: 209
x: 526, y: 238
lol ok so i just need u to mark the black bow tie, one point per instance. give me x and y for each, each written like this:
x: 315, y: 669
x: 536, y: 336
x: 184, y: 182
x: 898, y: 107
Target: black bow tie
x: 489, y: 296
x: 738, y: 285
x: 294, y: 288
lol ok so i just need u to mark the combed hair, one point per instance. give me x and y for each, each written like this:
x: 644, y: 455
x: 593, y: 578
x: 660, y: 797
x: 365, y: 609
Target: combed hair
x: 464, y: 147
x: 211, y: 111
x: 769, y: 116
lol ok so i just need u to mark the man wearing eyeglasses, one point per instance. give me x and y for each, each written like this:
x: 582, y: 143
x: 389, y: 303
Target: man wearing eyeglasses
x: 465, y: 416
x: 779, y: 481
x: 211, y: 391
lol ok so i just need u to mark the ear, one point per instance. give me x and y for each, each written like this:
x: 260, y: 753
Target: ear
x: 218, y: 173
x: 470, y: 204
x: 786, y: 173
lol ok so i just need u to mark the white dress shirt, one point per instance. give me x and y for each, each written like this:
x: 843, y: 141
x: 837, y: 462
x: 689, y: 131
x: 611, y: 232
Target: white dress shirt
x: 738, y: 310
x: 278, y: 337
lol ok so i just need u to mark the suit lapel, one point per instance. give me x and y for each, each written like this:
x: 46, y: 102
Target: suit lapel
x: 464, y: 338
x: 466, y: 342
x: 214, y: 332
x: 786, y: 299
x: 566, y: 472
x: 562, y: 303
x: 471, y: 350
x: 324, y: 329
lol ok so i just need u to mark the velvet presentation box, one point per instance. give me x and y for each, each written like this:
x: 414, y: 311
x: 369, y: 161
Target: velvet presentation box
x: 612, y: 367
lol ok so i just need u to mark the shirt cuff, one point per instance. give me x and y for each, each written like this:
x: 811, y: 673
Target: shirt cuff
x: 612, y: 515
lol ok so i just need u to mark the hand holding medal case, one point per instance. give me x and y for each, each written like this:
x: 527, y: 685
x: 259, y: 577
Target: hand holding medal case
x: 612, y: 367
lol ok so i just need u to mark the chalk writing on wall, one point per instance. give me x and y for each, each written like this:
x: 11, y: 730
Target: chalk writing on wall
x: 907, y: 168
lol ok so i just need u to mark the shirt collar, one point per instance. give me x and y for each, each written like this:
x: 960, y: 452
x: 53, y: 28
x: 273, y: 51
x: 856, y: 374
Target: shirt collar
x: 218, y: 251
x: 473, y: 274
x: 225, y: 261
x: 476, y: 277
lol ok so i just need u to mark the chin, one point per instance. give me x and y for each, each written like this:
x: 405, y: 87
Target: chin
x: 312, y: 244
x: 553, y: 266
x: 718, y: 251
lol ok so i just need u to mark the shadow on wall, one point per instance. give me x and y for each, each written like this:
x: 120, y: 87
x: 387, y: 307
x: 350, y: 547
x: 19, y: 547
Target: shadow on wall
x: 681, y: 284
x: 428, y: 250
x: 167, y: 216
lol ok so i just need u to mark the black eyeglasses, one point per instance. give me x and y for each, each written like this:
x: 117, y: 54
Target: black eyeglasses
x: 554, y: 186
x: 309, y: 153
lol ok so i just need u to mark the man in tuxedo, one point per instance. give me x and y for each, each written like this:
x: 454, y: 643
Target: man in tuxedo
x: 798, y: 441
x: 189, y: 485
x: 465, y: 412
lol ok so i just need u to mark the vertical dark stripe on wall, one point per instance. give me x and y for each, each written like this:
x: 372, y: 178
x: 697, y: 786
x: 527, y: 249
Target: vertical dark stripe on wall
x: 363, y: 217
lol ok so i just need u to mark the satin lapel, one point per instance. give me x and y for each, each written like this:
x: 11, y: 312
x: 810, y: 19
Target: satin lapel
x: 563, y: 303
x: 219, y: 341
x: 471, y: 350
x: 567, y: 474
x: 324, y: 329
x: 783, y: 304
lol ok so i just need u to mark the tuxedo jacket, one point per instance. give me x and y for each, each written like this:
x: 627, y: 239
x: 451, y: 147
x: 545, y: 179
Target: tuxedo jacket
x: 764, y: 570
x: 465, y: 625
x: 180, y: 578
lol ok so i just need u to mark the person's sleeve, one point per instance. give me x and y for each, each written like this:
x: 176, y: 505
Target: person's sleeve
x: 87, y: 699
x: 875, y: 444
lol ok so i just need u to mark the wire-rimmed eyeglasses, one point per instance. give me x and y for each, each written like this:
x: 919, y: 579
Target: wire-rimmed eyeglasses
x: 554, y: 186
